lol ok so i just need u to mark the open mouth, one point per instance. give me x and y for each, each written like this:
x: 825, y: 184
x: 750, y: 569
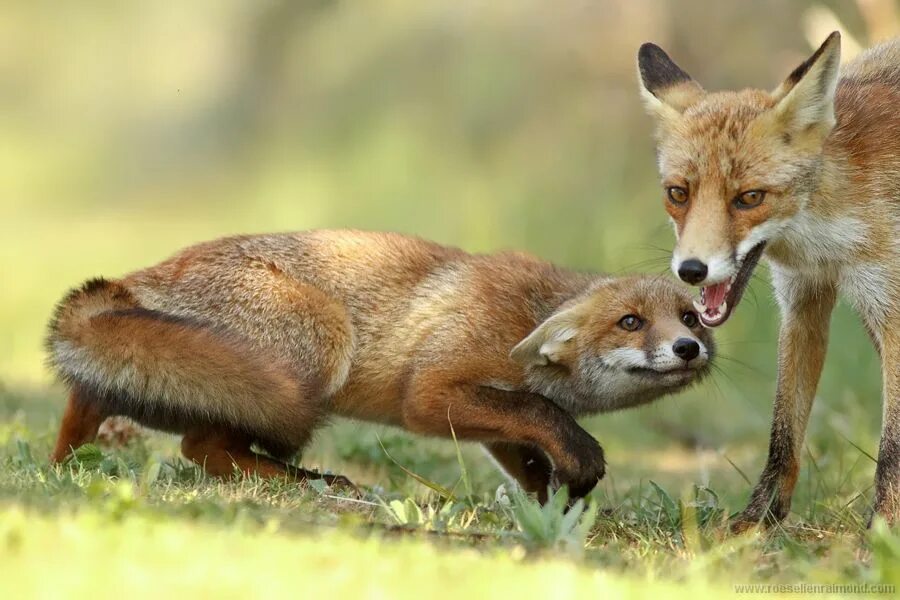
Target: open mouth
x: 717, y: 301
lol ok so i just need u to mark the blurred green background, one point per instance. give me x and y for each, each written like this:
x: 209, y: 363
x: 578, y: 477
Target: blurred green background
x: 129, y: 130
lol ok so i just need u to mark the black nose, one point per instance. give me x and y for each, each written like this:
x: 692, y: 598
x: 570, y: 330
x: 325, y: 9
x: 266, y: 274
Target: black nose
x: 686, y: 349
x: 692, y: 271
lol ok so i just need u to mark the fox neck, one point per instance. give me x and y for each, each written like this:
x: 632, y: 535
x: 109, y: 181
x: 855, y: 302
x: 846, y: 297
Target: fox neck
x: 610, y: 391
x: 828, y: 231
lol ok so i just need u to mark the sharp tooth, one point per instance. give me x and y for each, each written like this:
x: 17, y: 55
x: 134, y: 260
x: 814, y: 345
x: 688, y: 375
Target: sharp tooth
x: 723, y: 308
x: 699, y: 306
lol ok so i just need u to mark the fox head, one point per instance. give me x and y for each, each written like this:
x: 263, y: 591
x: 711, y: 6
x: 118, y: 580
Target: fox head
x: 623, y: 342
x: 736, y: 167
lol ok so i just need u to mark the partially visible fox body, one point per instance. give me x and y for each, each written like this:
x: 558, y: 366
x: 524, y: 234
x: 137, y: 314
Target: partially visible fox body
x: 258, y: 339
x: 808, y: 176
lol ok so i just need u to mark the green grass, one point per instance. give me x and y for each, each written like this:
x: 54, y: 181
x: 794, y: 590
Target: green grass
x: 141, y: 514
x: 130, y: 133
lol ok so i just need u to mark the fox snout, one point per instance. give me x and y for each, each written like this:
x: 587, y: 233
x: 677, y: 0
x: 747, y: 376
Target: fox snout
x: 704, y: 251
x: 703, y: 254
x: 705, y: 270
x: 668, y: 357
x: 692, y: 271
x: 681, y: 353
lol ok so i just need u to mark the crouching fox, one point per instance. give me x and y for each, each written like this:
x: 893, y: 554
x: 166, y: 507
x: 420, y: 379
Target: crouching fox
x: 258, y: 339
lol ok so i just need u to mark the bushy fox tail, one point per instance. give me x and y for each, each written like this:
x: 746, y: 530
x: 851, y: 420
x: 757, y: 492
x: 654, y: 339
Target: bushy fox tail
x: 173, y: 373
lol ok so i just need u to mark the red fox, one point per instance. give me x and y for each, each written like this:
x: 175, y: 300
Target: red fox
x: 257, y: 339
x: 808, y: 176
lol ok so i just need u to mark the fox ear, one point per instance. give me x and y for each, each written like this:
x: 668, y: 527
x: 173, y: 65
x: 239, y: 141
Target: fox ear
x: 547, y: 343
x: 805, y: 100
x: 666, y: 89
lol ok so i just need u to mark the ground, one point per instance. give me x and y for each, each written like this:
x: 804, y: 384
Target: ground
x: 436, y: 516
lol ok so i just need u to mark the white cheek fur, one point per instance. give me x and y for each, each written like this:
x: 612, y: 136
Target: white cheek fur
x: 626, y: 358
x: 761, y: 233
x: 721, y: 267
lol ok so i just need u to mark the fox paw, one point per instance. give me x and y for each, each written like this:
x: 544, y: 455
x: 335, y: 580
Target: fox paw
x: 340, y: 482
x: 583, y: 476
x: 335, y: 482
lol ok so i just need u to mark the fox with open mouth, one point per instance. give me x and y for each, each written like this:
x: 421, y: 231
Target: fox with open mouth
x: 809, y: 177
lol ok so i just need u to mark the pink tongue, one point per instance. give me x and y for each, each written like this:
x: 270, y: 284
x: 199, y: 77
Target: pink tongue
x: 715, y: 294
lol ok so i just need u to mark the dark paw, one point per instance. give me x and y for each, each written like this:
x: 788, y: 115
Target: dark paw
x: 339, y: 482
x: 335, y: 482
x: 588, y: 469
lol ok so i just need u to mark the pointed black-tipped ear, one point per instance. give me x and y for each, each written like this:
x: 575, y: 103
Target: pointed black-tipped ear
x: 667, y: 90
x: 805, y: 100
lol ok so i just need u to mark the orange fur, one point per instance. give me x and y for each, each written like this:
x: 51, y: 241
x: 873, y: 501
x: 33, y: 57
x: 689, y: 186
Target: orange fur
x: 80, y: 423
x: 824, y: 149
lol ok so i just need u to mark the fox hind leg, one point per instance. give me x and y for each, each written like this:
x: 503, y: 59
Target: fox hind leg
x: 80, y: 423
x: 268, y: 374
x: 887, y: 473
x: 222, y: 452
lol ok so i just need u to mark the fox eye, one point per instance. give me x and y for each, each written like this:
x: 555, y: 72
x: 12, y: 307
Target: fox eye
x: 750, y: 199
x: 676, y: 194
x: 690, y: 319
x: 631, y: 323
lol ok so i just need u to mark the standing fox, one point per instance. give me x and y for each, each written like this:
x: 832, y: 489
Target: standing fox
x: 256, y: 340
x: 809, y: 176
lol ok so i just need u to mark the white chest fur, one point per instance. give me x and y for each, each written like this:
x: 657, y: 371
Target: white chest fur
x: 867, y: 286
x: 811, y: 243
x: 814, y: 251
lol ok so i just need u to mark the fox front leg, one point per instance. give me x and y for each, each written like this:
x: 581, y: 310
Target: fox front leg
x: 439, y: 405
x: 528, y: 465
x: 887, y: 473
x: 806, y: 308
